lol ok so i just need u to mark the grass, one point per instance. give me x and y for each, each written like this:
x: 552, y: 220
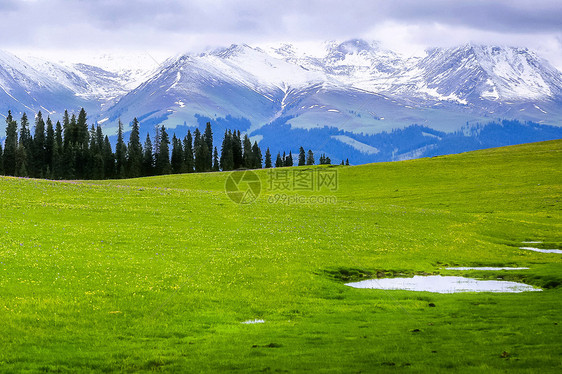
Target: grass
x: 157, y: 274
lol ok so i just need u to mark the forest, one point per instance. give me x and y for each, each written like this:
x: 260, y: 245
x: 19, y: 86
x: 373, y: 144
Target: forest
x: 74, y: 150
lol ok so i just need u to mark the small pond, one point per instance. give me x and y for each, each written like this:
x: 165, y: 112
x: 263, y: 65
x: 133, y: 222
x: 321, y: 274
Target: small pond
x: 488, y: 268
x: 443, y: 284
x: 252, y: 321
x: 542, y: 250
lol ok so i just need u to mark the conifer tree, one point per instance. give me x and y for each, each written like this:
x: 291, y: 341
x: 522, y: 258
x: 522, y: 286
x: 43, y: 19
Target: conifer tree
x: 57, y: 156
x: 83, y: 159
x: 256, y: 155
x: 93, y: 147
x: 302, y: 157
x: 216, y: 160
x: 177, y: 155
x: 49, y: 146
x: 59, y: 137
x: 156, y: 143
x: 237, y: 158
x: 99, y: 138
x: 70, y: 147
x: 268, y: 158
x: 25, y: 134
x: 108, y: 159
x: 227, y: 158
x: 289, y: 159
x: 310, y: 158
x: 208, y: 139
x: 82, y: 135
x: 148, y: 158
x: 324, y: 160
x: 347, y: 161
x: 87, y: 156
x: 247, y: 155
x: 163, y: 156
x: 73, y: 130
x: 201, y: 152
x: 10, y: 145
x: 68, y: 161
x: 89, y: 172
x: 21, y: 161
x: 188, y: 153
x: 1, y: 160
x: 278, y: 161
x: 120, y: 153
x: 134, y: 152
x: 196, y: 145
x: 39, y: 155
x: 66, y: 129
x: 24, y: 149
x: 96, y: 169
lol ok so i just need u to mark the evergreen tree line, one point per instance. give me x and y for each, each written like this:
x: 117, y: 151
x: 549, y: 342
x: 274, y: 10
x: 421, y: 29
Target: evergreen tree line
x: 72, y: 150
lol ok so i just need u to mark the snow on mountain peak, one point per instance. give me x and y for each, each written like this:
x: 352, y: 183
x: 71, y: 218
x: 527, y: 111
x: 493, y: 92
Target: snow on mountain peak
x: 471, y: 72
x: 283, y: 75
x: 256, y: 68
x: 284, y: 50
x: 517, y: 73
x: 353, y: 46
x: 227, y: 52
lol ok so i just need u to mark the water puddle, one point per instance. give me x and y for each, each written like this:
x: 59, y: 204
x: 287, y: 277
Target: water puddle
x: 486, y: 268
x: 252, y: 321
x: 542, y: 250
x: 443, y: 284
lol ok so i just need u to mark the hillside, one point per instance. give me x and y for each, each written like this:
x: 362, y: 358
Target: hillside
x: 160, y: 273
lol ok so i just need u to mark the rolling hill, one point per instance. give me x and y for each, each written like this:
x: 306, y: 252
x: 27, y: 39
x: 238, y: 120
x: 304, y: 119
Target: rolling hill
x: 168, y: 274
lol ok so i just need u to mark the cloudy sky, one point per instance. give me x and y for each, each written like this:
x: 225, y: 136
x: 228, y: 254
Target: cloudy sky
x: 172, y: 26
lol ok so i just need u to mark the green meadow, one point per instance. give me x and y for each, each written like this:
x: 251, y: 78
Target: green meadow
x: 158, y: 273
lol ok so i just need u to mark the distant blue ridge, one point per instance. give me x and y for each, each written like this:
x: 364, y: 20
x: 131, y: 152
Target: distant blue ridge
x: 394, y: 145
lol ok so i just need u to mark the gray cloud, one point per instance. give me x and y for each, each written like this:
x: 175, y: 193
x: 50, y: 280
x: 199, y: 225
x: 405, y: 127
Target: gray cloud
x: 8, y: 5
x: 514, y: 16
x: 176, y: 24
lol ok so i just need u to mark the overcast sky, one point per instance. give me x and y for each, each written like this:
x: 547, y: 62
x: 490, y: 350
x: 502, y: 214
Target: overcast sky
x: 172, y: 26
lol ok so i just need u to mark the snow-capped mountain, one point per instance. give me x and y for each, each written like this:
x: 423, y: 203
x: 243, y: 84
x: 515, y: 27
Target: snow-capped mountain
x: 32, y: 84
x: 86, y: 81
x: 131, y: 69
x: 238, y: 81
x: 356, y: 87
x: 471, y: 73
x: 24, y: 88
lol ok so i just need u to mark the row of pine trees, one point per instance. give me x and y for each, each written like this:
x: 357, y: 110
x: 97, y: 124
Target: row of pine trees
x: 72, y: 150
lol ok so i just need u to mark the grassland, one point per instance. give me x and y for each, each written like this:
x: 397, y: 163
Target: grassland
x: 157, y: 274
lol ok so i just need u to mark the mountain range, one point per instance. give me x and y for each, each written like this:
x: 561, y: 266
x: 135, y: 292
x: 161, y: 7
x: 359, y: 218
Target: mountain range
x: 352, y: 100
